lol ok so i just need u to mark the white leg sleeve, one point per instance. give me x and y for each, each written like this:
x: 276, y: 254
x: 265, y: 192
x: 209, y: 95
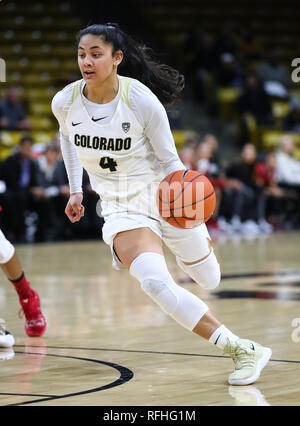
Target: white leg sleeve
x: 206, y: 273
x: 6, y: 249
x: 150, y: 269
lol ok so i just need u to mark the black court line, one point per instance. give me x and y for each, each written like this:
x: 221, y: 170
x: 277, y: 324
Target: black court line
x: 260, y: 274
x: 125, y: 376
x: 27, y: 394
x: 149, y: 352
x: 247, y: 275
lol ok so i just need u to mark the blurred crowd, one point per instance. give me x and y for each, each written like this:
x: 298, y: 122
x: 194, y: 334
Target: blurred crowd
x: 13, y: 114
x: 34, y: 192
x: 234, y: 58
x: 256, y: 193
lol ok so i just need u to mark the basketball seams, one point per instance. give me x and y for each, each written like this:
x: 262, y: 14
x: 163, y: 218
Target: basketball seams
x: 189, y: 205
x: 171, y: 177
x: 185, y: 186
x: 183, y: 189
x: 179, y: 225
x: 181, y: 177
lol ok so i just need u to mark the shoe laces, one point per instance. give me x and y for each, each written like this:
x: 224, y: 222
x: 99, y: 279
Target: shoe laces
x: 241, y: 354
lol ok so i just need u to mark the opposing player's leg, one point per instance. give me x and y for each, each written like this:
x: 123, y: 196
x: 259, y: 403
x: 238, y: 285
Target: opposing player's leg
x: 140, y: 251
x: 35, y: 324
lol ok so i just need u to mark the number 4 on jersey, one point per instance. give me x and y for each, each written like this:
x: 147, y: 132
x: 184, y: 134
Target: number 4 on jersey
x: 108, y: 163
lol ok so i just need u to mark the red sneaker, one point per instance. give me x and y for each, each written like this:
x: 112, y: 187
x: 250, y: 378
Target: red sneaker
x: 36, y: 324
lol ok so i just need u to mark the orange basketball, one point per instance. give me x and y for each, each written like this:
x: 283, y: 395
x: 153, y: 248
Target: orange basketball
x: 185, y: 199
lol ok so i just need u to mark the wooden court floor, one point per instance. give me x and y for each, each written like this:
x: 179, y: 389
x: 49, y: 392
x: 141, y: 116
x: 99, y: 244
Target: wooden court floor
x: 108, y: 344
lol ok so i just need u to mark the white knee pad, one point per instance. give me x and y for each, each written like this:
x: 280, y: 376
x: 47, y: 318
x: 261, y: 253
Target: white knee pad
x: 6, y: 249
x: 206, y: 273
x: 161, y: 293
x: 152, y: 272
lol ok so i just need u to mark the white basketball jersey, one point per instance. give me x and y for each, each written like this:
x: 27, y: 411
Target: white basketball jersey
x: 117, y: 156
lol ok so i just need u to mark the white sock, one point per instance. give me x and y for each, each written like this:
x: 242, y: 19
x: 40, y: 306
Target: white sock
x: 220, y: 336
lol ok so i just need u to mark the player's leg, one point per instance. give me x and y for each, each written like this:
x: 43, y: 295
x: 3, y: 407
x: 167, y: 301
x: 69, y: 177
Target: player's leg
x: 29, y: 299
x: 140, y: 250
x: 194, y: 254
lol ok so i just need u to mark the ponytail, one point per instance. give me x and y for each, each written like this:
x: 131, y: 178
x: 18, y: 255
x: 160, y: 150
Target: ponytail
x: 164, y: 81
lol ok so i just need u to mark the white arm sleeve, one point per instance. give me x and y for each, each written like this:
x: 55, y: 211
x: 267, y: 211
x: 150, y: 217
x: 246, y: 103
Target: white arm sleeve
x: 73, y: 166
x: 153, y: 117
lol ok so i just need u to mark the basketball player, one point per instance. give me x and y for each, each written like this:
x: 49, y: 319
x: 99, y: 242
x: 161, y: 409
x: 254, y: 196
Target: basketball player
x: 117, y: 129
x: 35, y: 324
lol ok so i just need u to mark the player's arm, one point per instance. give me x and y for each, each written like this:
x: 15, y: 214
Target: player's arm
x: 152, y: 115
x: 74, y: 209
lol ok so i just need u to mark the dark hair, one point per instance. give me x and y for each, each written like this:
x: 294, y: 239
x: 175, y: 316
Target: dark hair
x: 164, y: 81
x: 26, y: 138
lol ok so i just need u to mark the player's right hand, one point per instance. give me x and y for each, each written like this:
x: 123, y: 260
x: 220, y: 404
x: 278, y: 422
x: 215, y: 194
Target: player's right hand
x: 74, y: 209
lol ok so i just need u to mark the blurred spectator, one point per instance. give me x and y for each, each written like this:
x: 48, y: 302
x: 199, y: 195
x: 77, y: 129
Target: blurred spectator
x: 207, y: 58
x: 291, y: 122
x: 243, y: 201
x: 254, y: 101
x: 249, y: 47
x: 190, y: 49
x: 287, y: 166
x: 272, y: 70
x: 53, y: 179
x: 205, y: 63
x: 207, y: 165
x: 12, y: 112
x: 227, y: 40
x: 203, y: 156
x: 175, y: 117
x: 279, y: 203
x: 53, y: 224
x: 19, y: 172
x: 253, y: 105
x: 288, y: 176
x: 187, y: 156
x: 228, y: 74
x: 213, y: 143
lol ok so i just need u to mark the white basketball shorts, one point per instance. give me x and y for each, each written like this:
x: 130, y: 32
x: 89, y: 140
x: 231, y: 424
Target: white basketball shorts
x: 188, y: 244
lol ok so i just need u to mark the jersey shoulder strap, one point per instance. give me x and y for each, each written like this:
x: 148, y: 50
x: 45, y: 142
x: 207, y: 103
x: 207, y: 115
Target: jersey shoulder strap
x: 76, y: 90
x: 125, y: 89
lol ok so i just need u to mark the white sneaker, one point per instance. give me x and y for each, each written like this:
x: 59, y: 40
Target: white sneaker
x: 224, y: 226
x: 236, y: 224
x: 6, y: 339
x: 250, y: 227
x: 265, y: 226
x: 249, y: 358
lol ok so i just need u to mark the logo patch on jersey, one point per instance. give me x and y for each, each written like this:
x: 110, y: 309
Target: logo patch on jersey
x: 126, y: 127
